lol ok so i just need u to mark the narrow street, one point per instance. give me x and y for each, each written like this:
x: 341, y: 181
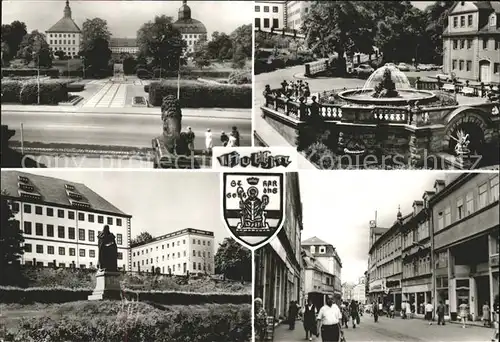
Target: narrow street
x: 397, y: 329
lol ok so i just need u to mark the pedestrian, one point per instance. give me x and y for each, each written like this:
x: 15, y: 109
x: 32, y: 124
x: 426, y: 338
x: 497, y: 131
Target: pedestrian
x: 428, y: 312
x: 408, y: 310
x: 375, y: 312
x: 208, y: 141
x: 463, y: 308
x: 496, y: 315
x: 329, y: 320
x: 403, y: 310
x: 440, y: 313
x: 260, y: 320
x: 190, y: 139
x: 292, y: 315
x: 224, y: 139
x: 354, y: 313
x: 310, y: 326
x: 232, y: 140
x: 486, y: 315
x: 391, y: 310
x: 236, y: 135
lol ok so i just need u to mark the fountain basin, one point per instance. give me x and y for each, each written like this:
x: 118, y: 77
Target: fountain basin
x: 365, y: 97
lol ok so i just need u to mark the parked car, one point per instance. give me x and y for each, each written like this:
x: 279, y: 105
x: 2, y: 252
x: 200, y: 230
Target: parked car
x: 403, y: 67
x: 363, y: 70
x: 389, y: 64
x: 444, y: 77
x: 424, y: 67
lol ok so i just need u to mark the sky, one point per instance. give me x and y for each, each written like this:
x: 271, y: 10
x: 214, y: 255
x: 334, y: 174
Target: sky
x: 338, y: 206
x: 126, y: 17
x: 421, y: 4
x: 159, y: 202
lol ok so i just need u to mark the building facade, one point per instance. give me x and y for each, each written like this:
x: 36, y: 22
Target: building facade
x: 358, y: 292
x: 417, y: 270
x: 328, y: 257
x: 385, y: 263
x: 191, y: 29
x: 318, y: 282
x: 180, y: 252
x: 61, y: 221
x: 295, y: 13
x: 65, y: 35
x: 471, y: 42
x: 269, y: 14
x: 465, y: 233
x: 278, y: 264
x: 123, y: 45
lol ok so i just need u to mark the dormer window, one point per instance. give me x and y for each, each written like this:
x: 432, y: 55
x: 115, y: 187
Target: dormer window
x: 322, y: 250
x: 69, y: 187
x: 79, y: 204
x: 23, y: 179
x: 493, y: 20
x: 75, y: 196
x: 313, y: 249
x: 26, y: 187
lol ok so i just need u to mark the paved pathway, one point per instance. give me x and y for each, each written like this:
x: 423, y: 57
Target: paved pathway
x: 111, y: 95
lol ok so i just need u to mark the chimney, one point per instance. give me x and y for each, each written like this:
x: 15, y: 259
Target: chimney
x: 439, y: 185
x: 427, y: 197
x: 417, y: 207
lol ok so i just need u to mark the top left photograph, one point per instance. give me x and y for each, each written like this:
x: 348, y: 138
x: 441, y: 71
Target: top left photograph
x: 124, y: 84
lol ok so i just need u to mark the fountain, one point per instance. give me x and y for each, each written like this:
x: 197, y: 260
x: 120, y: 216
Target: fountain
x: 386, y: 86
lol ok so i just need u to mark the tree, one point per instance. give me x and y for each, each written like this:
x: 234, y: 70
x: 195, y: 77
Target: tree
x: 233, y: 260
x: 34, y: 48
x: 129, y: 64
x: 437, y: 18
x: 329, y: 29
x: 239, y: 58
x: 142, y: 238
x: 242, y: 38
x: 12, y: 36
x: 11, y: 238
x: 220, y: 46
x: 161, y: 42
x: 200, y: 54
x: 60, y: 54
x: 92, y: 30
x: 95, y: 46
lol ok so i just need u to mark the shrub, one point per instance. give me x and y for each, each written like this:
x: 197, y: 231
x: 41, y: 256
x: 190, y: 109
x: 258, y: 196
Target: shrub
x: 106, y: 322
x: 10, y: 91
x: 240, y: 77
x: 129, y: 65
x: 50, y: 92
x: 195, y: 94
x: 75, y: 87
x: 143, y: 74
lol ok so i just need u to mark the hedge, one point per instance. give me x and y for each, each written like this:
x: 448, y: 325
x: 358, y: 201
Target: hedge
x: 76, y: 87
x: 144, y: 324
x: 51, y: 91
x: 30, y: 72
x: 194, y: 94
x: 64, y: 295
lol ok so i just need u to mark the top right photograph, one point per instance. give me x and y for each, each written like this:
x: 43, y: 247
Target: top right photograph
x: 387, y: 85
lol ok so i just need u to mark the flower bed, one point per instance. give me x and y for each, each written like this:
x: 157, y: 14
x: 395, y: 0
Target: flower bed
x: 139, y: 101
x: 194, y: 94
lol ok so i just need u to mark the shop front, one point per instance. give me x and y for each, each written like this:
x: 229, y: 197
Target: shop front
x: 418, y: 292
x: 394, y: 293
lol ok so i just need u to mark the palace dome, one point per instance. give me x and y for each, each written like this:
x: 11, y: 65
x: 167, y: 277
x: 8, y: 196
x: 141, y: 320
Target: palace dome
x: 186, y: 24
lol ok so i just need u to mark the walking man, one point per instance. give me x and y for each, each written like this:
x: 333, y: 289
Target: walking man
x: 440, y: 313
x: 428, y: 312
x: 354, y: 313
x: 329, y: 318
x: 190, y: 140
x: 375, y: 312
x: 236, y: 135
x: 391, y: 310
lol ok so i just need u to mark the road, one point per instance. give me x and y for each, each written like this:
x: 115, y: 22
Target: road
x: 134, y: 130
x: 391, y: 330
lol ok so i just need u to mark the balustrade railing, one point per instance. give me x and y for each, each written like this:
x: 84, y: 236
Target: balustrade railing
x: 478, y: 90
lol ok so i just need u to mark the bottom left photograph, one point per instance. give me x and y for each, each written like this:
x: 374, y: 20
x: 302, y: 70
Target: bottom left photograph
x: 120, y: 256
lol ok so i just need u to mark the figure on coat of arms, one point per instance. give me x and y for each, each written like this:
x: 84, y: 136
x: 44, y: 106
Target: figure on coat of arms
x: 253, y: 213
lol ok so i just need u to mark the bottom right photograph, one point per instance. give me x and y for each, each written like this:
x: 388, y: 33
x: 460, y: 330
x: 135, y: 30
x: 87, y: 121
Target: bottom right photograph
x: 382, y: 256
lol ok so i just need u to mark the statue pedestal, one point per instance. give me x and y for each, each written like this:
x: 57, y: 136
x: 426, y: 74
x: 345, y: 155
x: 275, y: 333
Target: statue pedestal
x: 107, y: 286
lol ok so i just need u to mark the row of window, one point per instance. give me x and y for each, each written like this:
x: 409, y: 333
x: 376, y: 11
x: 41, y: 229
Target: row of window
x: 63, y: 265
x: 61, y: 232
x: 276, y: 23
x: 461, y: 63
x: 186, y: 36
x: 388, y: 248
x: 419, y: 266
x: 172, y: 268
x: 266, y: 9
x: 387, y: 270
x: 40, y: 249
x: 61, y: 213
x: 172, y: 245
x: 460, y: 44
x: 200, y: 254
x: 61, y: 35
x: 416, y: 235
x: 464, y: 209
x: 61, y: 42
x: 462, y: 21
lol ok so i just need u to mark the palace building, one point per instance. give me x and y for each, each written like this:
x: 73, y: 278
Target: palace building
x: 65, y: 35
x: 191, y: 29
x: 61, y: 220
x: 471, y: 42
x: 123, y: 45
x: 295, y: 13
x: 187, y: 250
x: 269, y: 14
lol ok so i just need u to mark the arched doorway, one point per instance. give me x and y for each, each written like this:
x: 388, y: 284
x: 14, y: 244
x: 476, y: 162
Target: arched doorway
x: 485, y: 71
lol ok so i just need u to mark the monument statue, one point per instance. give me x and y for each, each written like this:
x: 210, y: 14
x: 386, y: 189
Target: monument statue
x: 462, y: 139
x: 386, y: 87
x: 171, y: 115
x: 108, y: 251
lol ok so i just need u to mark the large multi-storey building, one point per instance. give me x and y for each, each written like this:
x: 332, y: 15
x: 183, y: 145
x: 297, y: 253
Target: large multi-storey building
x: 385, y: 263
x: 465, y: 232
x: 318, y: 282
x: 295, y: 13
x: 471, y: 42
x: 65, y: 35
x: 123, y: 45
x: 187, y: 250
x: 61, y: 220
x: 278, y: 264
x: 269, y: 14
x: 328, y: 257
x: 191, y: 29
x: 358, y: 292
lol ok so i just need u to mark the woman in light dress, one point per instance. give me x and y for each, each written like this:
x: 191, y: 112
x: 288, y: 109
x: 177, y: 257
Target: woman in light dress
x: 232, y: 140
x: 209, y: 143
x: 464, y: 311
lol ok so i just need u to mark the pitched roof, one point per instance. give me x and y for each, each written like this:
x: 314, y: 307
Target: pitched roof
x: 65, y: 25
x: 123, y: 42
x: 53, y: 190
x: 311, y: 262
x: 314, y: 241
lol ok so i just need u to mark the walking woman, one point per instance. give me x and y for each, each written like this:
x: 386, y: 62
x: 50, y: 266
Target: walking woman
x: 486, y: 315
x: 310, y: 325
x: 463, y: 308
x: 260, y: 320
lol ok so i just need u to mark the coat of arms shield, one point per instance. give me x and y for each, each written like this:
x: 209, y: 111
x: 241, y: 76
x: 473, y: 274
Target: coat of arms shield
x: 253, y: 206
